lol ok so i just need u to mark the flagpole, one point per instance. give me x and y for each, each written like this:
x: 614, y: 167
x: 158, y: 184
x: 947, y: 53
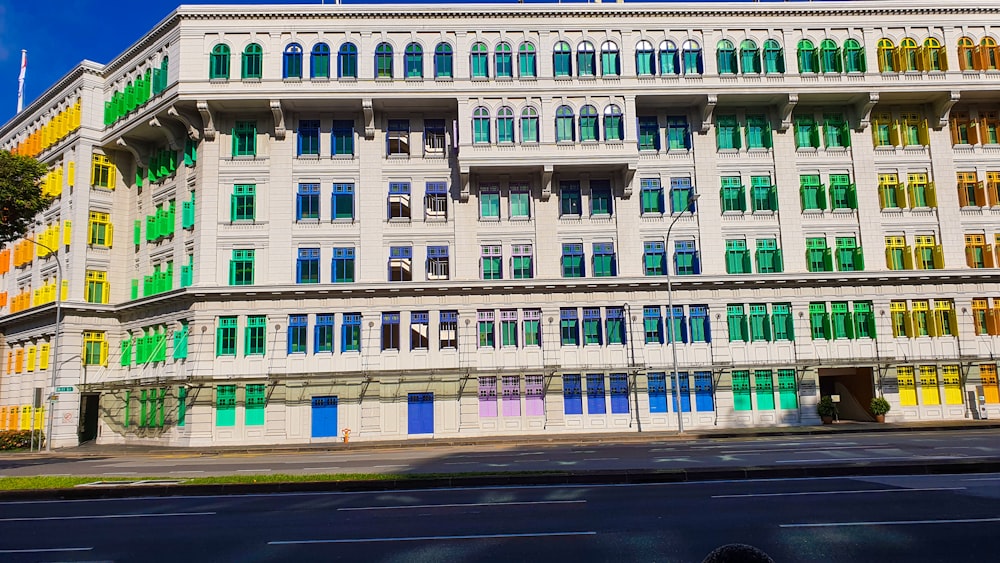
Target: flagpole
x: 20, y: 80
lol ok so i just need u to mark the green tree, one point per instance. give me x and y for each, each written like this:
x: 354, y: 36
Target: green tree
x: 21, y: 196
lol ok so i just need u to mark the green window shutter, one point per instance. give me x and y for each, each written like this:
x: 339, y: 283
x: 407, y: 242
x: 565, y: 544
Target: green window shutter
x: 126, y: 359
x: 135, y: 289
x: 151, y: 232
x: 137, y: 232
x: 779, y: 263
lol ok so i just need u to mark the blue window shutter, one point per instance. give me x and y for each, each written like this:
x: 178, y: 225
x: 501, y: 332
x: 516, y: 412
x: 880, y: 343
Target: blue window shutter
x: 696, y: 262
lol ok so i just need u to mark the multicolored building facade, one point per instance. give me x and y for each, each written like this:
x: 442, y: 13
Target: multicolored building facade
x: 275, y: 223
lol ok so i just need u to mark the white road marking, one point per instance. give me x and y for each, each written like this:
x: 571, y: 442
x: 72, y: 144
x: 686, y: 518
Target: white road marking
x: 601, y: 459
x: 435, y: 538
x: 46, y: 550
x: 887, y: 458
x: 848, y: 492
x: 891, y: 523
x: 253, y: 470
x: 984, y: 479
x: 318, y: 468
x: 105, y: 516
x: 188, y: 471
x: 118, y: 473
x: 461, y: 505
x: 398, y: 465
x: 786, y: 450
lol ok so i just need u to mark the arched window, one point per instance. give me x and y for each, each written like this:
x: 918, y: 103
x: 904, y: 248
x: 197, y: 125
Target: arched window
x: 383, y: 60
x: 669, y: 64
x: 564, y: 124
x: 588, y: 124
x: 503, y: 61
x: 829, y: 56
x: 726, y: 57
x: 292, y: 61
x: 749, y: 57
x: 526, y: 65
x: 585, y: 64
x: 481, y: 125
x: 613, y: 130
x: 562, y: 59
x: 253, y: 61
x: 480, y: 60
x: 347, y: 61
x: 966, y: 56
x: 319, y: 61
x: 645, y: 59
x: 774, y: 57
x: 934, y: 55
x: 691, y: 54
x: 610, y: 63
x: 908, y: 55
x: 988, y: 54
x: 854, y: 56
x: 413, y: 61
x: 443, y: 61
x: 807, y: 57
x: 505, y: 125
x: 529, y: 125
x: 886, y: 56
x: 218, y: 62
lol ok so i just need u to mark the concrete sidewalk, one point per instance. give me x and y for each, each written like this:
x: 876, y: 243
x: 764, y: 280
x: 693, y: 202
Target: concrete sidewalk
x: 88, y: 450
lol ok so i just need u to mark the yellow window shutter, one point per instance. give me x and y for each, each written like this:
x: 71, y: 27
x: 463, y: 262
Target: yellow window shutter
x: 71, y: 173
x: 67, y: 236
x: 938, y: 257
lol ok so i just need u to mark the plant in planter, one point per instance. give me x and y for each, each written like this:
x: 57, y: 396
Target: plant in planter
x: 826, y: 409
x: 879, y: 407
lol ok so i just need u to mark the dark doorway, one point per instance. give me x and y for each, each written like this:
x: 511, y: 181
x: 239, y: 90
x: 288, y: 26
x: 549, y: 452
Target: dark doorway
x: 856, y: 388
x: 89, y: 404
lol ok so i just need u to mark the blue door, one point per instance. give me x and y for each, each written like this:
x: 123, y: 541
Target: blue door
x: 324, y: 417
x: 420, y: 414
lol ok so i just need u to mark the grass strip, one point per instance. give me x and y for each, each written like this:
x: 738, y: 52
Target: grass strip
x: 68, y: 482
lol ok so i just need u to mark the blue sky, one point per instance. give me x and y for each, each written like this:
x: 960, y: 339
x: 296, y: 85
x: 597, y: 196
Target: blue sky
x: 40, y: 27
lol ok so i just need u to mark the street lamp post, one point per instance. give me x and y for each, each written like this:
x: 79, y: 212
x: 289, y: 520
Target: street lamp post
x: 692, y: 198
x: 55, y: 339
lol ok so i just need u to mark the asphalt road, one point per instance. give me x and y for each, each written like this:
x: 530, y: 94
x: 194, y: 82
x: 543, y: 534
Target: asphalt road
x: 893, y: 518
x: 838, y: 449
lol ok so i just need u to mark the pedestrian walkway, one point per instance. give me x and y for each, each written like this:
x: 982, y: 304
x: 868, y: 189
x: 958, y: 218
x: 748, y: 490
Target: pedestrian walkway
x: 847, y: 427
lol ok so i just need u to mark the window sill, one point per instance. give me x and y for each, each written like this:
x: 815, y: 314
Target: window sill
x: 307, y: 157
x: 347, y: 78
x: 319, y: 78
x: 398, y: 220
x: 414, y: 79
x: 807, y: 149
x: 292, y: 79
x: 398, y: 156
x: 444, y: 79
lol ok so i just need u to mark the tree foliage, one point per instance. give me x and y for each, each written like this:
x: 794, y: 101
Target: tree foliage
x: 21, y: 196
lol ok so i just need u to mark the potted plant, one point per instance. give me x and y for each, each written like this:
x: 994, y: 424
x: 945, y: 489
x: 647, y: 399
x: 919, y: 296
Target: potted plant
x: 879, y: 407
x: 826, y: 409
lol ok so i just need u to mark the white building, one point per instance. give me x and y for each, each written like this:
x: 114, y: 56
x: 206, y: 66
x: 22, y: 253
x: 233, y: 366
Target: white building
x: 280, y: 222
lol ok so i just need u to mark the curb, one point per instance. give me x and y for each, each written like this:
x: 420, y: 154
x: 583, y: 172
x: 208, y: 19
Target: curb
x: 617, y: 477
